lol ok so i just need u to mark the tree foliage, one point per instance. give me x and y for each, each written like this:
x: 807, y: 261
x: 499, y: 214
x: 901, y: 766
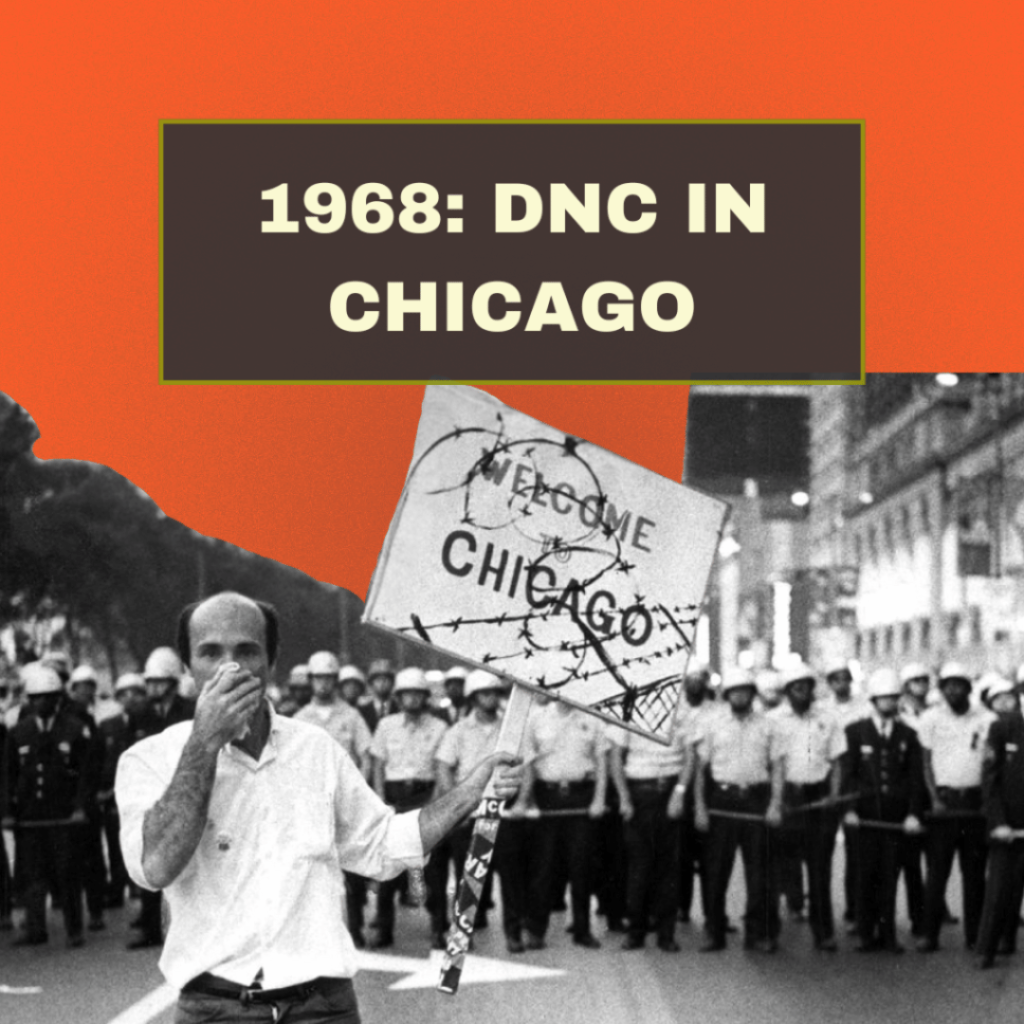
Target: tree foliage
x: 78, y: 540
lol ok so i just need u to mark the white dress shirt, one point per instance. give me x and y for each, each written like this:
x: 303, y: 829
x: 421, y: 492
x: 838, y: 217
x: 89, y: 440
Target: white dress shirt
x: 264, y: 889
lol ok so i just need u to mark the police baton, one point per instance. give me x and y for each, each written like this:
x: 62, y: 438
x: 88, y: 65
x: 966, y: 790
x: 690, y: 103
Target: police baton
x: 739, y: 816
x: 889, y: 826
x: 44, y: 823
x: 821, y: 805
x: 481, y: 847
x: 535, y: 814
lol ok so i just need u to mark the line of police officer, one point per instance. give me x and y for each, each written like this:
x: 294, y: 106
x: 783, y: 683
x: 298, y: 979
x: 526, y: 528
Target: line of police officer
x: 769, y: 771
x: 57, y: 766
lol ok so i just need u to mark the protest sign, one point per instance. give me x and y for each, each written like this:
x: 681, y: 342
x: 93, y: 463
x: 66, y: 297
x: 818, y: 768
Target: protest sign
x: 541, y: 557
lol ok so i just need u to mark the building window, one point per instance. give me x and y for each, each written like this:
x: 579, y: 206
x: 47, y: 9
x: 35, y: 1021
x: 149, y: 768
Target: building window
x: 925, y: 513
x: 975, y: 620
x: 888, y: 640
x: 953, y: 630
x: 926, y: 634
x: 887, y: 538
x: 907, y: 637
x: 872, y: 544
x: 857, y: 552
x: 906, y: 526
x: 872, y: 644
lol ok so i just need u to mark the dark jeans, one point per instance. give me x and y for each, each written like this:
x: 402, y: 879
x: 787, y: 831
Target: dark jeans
x: 754, y: 841
x: 561, y: 840
x: 333, y: 1003
x: 652, y: 860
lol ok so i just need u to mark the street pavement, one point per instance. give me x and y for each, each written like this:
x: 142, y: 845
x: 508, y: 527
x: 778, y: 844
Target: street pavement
x: 103, y: 983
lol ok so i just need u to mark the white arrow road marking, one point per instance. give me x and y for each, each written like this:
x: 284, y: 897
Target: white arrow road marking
x: 24, y: 990
x: 426, y: 973
x: 419, y: 974
x: 149, y: 1006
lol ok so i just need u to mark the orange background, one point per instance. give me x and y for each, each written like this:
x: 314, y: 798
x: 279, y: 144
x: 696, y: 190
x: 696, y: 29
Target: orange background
x: 310, y: 475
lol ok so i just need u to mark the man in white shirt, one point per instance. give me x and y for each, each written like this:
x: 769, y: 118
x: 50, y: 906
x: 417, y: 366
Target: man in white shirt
x: 953, y: 735
x: 810, y: 742
x: 245, y: 819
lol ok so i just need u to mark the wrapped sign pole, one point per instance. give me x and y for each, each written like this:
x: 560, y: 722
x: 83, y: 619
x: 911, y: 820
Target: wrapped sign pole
x: 481, y: 848
x: 546, y: 560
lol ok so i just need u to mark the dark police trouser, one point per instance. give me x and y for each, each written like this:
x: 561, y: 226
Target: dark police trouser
x: 119, y: 879
x: 691, y: 859
x: 510, y: 860
x: 811, y: 837
x: 761, y: 920
x: 913, y: 878
x: 1004, y: 891
x: 559, y: 839
x: 608, y: 865
x: 946, y: 838
x: 652, y: 858
x: 408, y: 795
x: 48, y: 856
x: 6, y: 883
x: 878, y: 858
x: 89, y: 841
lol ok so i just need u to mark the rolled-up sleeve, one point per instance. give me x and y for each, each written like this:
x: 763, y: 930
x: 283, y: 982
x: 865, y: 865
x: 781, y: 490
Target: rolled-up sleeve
x: 372, y: 839
x: 137, y: 787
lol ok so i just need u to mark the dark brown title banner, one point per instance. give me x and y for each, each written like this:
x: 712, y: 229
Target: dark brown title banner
x: 511, y: 252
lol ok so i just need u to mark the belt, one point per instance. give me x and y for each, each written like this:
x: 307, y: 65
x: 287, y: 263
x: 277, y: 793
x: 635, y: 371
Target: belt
x: 731, y: 787
x: 808, y: 787
x: 211, y: 985
x: 411, y: 785
x: 662, y: 782
x: 565, y: 787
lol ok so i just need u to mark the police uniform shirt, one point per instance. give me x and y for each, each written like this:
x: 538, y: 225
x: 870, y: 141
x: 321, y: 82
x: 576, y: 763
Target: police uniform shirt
x: 343, y: 724
x: 52, y: 769
x: 956, y: 743
x: 690, y: 718
x: 467, y: 743
x: 849, y: 711
x: 739, y: 749
x: 647, y: 759
x: 808, y: 744
x: 407, y: 746
x: 564, y: 745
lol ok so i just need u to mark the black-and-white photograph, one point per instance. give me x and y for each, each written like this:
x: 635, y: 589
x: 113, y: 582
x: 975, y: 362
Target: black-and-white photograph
x: 227, y: 793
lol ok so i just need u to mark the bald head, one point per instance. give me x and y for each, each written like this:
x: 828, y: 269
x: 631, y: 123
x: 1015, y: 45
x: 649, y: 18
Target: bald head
x: 232, y: 616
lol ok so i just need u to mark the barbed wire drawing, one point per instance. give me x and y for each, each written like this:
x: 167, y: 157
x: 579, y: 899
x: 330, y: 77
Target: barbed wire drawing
x: 562, y: 599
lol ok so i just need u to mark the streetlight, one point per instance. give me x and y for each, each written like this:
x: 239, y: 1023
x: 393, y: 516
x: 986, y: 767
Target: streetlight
x: 947, y: 380
x: 728, y: 547
x: 800, y: 498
